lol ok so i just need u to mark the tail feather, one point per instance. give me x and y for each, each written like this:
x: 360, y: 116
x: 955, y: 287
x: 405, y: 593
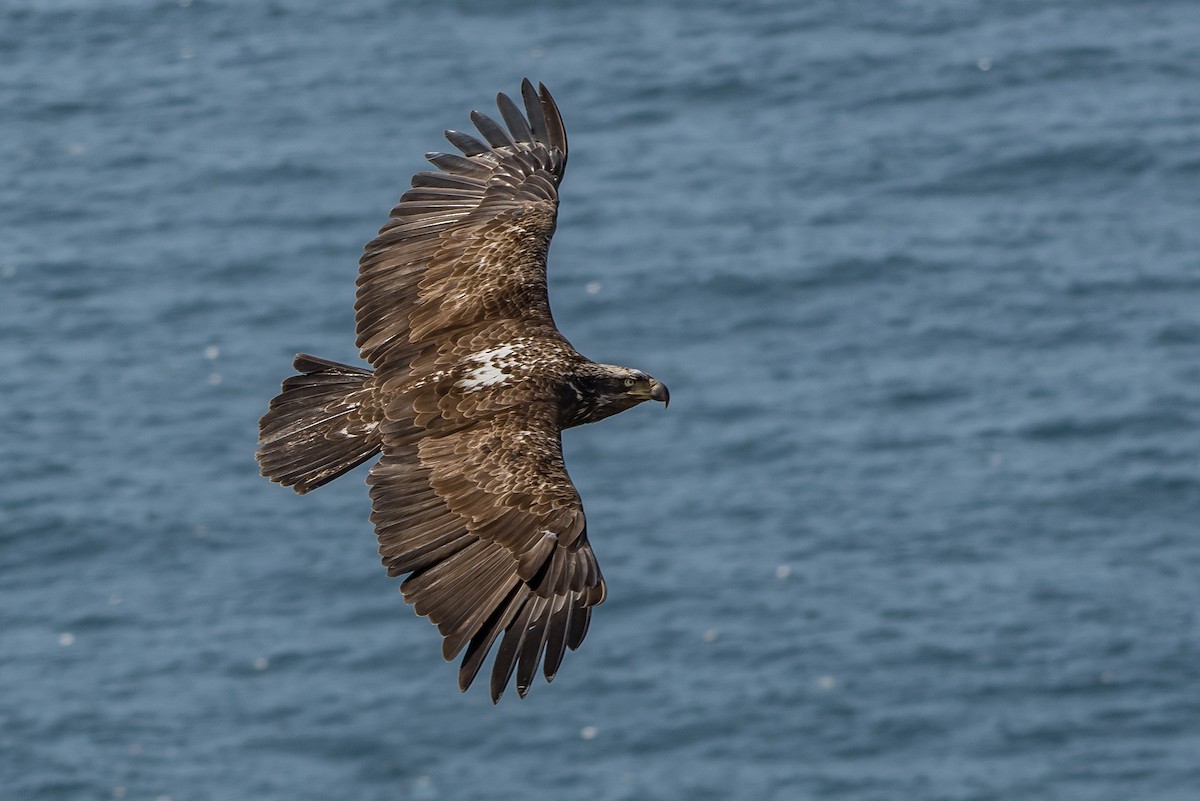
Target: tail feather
x: 314, y: 430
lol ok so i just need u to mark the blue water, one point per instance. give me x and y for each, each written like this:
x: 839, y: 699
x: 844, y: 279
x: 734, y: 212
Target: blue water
x: 920, y: 523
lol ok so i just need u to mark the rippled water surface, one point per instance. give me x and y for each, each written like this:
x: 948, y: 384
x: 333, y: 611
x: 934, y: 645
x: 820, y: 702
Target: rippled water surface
x: 920, y: 523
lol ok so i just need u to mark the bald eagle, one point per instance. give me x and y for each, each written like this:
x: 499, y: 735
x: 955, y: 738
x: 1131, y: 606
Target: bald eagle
x: 471, y: 387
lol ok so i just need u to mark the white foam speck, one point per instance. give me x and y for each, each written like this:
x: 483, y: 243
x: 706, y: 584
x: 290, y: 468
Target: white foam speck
x: 589, y: 732
x: 66, y: 638
x: 212, y: 352
x: 827, y: 682
x: 783, y: 571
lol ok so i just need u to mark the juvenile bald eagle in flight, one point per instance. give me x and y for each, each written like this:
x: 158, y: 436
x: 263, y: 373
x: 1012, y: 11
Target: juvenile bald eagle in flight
x: 471, y: 388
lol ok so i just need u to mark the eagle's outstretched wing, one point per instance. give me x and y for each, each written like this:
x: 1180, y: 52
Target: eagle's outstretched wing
x: 471, y: 496
x: 493, y: 532
x: 468, y: 244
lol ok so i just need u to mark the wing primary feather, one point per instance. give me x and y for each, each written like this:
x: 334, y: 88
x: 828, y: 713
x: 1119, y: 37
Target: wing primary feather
x: 441, y: 193
x: 471, y: 626
x: 446, y: 181
x: 491, y: 130
x: 468, y: 144
x: 579, y: 626
x: 510, y: 647
x: 458, y: 165
x: 533, y: 644
x: 533, y: 108
x: 556, y: 134
x: 481, y: 643
x: 556, y: 637
x: 514, y: 119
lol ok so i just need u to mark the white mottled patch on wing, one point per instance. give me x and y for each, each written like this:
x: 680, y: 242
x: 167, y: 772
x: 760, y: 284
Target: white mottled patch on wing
x: 485, y: 376
x: 494, y: 367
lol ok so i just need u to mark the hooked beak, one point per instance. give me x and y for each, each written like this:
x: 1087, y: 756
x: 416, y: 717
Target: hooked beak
x: 651, y: 390
x: 658, y: 392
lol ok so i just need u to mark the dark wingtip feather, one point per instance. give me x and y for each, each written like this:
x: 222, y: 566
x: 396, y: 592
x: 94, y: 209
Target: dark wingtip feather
x: 578, y: 627
x: 491, y: 130
x: 481, y: 643
x: 556, y: 639
x: 534, y: 644
x: 533, y: 109
x: 505, y: 661
x: 468, y: 144
x: 445, y: 180
x: 459, y: 165
x: 555, y: 131
x: 517, y: 125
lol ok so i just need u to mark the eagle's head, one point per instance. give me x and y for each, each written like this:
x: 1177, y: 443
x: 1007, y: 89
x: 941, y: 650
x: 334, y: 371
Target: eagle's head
x: 596, y: 391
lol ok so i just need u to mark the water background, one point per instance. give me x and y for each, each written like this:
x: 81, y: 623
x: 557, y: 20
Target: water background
x: 920, y: 523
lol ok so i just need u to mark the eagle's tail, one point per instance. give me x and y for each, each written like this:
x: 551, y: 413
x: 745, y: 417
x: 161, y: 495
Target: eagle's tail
x: 315, y: 430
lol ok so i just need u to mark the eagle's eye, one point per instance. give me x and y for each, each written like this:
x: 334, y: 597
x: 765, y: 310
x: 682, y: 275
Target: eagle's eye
x: 629, y: 382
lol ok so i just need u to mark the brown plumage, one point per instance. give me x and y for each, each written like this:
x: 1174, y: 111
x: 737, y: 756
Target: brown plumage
x: 472, y: 385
